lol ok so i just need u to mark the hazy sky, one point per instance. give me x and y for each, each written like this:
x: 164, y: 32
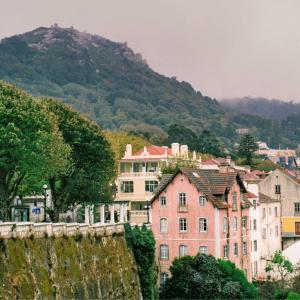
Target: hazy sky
x: 224, y: 48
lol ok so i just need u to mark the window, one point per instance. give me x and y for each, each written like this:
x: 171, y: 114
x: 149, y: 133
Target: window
x: 244, y: 222
x: 276, y: 211
x: 236, y: 249
x: 202, y: 224
x: 225, y: 224
x: 255, y: 245
x: 163, y: 201
x: 183, y: 250
x: 234, y: 204
x: 203, y: 249
x: 150, y: 185
x: 182, y: 199
x: 182, y: 225
x: 255, y: 269
x: 163, y: 225
x: 277, y: 189
x: 270, y: 211
x: 297, y: 207
x: 297, y: 228
x: 276, y: 231
x: 263, y: 213
x: 254, y: 225
x: 225, y: 251
x: 264, y: 233
x: 202, y: 200
x: 234, y: 224
x: 127, y: 186
x: 163, y: 278
x: 244, y: 248
x: 151, y: 166
x: 270, y: 231
x: 138, y: 167
x: 164, y: 252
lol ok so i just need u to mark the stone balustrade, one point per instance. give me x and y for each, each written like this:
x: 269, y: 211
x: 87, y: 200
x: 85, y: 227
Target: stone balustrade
x: 38, y: 230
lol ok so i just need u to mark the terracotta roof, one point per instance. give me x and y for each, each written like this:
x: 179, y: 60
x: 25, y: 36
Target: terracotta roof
x: 250, y: 195
x: 266, y: 199
x: 292, y: 176
x: 211, y: 182
x: 215, y: 161
x: 155, y: 150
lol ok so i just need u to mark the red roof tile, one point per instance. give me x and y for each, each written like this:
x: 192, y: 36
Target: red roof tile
x: 155, y: 150
x: 250, y: 195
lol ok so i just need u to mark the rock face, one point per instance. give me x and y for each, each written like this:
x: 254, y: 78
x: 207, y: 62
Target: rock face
x: 79, y: 267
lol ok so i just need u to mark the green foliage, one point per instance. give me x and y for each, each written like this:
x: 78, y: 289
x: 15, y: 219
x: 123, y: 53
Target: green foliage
x: 293, y: 296
x: 280, y: 264
x: 142, y: 243
x: 246, y: 149
x: 119, y: 140
x: 31, y: 144
x: 204, y: 277
x: 93, y: 165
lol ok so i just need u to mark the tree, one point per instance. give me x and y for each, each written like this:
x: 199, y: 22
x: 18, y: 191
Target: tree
x: 204, y: 277
x: 142, y: 243
x: 183, y: 135
x: 93, y: 166
x: 30, y: 143
x: 281, y: 265
x: 208, y: 143
x: 247, y: 148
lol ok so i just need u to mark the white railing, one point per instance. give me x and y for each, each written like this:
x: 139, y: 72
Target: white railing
x: 38, y: 230
x: 139, y: 174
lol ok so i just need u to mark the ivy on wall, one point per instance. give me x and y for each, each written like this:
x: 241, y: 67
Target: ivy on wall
x: 141, y: 241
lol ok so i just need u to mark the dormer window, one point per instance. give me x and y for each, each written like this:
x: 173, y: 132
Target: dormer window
x: 202, y: 200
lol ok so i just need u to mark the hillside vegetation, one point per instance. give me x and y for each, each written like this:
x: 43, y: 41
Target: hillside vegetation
x: 116, y: 87
x: 265, y: 108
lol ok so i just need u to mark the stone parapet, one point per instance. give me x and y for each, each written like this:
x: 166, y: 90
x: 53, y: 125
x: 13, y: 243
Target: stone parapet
x: 23, y: 230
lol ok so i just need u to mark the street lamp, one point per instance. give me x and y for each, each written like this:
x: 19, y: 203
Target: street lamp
x: 45, y: 187
x: 147, y: 207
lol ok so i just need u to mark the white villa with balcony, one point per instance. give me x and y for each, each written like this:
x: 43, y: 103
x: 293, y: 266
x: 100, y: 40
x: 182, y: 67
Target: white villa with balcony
x: 139, y: 175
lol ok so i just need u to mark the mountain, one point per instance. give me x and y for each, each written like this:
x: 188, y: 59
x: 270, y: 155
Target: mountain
x: 265, y: 108
x: 117, y: 88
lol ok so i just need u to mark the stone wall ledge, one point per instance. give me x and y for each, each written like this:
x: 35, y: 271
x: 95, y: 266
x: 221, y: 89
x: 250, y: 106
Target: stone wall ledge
x: 39, y: 230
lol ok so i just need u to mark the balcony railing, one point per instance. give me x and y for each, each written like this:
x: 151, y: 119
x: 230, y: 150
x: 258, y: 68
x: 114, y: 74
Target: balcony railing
x: 139, y: 174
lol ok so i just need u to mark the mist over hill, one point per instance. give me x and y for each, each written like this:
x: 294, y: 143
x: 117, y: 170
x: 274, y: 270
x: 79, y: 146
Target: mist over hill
x: 265, y: 108
x: 117, y: 88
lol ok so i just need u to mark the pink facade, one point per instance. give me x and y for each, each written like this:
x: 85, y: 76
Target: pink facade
x: 213, y: 225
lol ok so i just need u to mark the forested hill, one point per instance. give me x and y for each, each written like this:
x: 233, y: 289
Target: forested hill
x: 271, y: 109
x: 117, y: 88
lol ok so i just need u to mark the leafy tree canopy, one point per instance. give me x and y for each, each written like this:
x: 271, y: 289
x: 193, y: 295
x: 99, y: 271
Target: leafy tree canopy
x: 204, y: 277
x: 30, y: 143
x: 246, y: 149
x: 93, y: 166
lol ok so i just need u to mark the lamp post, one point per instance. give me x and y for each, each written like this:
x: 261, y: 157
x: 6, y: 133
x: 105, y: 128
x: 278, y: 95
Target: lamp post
x: 45, y: 187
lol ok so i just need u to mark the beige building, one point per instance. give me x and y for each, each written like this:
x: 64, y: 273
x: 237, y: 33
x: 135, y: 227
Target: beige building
x: 139, y: 175
x: 284, y: 186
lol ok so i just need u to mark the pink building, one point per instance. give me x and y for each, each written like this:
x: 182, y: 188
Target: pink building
x: 205, y: 211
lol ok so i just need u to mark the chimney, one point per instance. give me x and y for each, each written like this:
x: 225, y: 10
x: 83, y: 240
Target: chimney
x: 224, y: 167
x: 128, y: 151
x: 145, y: 152
x: 175, y: 149
x: 184, y: 151
x: 194, y: 155
x: 228, y: 159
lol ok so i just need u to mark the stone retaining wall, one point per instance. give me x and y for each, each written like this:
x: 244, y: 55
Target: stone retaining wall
x: 38, y: 230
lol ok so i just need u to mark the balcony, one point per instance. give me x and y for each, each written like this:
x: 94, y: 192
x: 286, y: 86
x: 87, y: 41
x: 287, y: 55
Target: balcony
x: 182, y: 208
x: 139, y: 174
